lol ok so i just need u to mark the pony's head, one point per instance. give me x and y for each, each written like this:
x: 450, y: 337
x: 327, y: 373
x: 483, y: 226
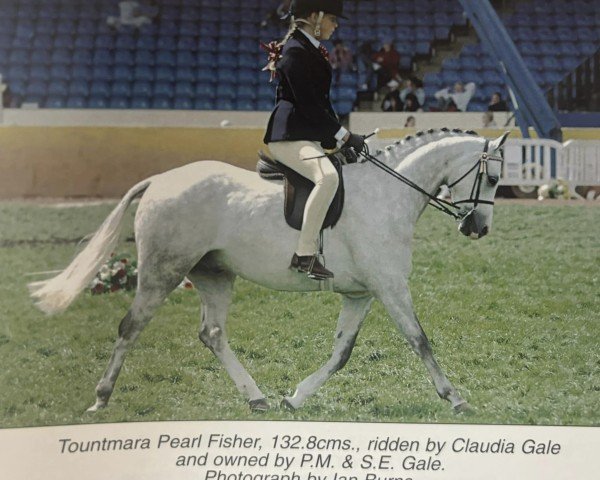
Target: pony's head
x: 473, y: 191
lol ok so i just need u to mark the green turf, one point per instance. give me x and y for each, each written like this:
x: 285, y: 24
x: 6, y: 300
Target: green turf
x: 513, y: 320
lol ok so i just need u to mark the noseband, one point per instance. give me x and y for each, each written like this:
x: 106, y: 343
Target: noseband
x: 440, y: 204
x: 482, y: 166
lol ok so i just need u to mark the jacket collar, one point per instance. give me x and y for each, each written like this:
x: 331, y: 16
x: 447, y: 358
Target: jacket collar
x: 307, y: 43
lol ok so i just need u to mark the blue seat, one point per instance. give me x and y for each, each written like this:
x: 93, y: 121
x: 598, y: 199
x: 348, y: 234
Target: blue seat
x: 60, y: 72
x: 100, y: 88
x: 37, y: 88
x: 125, y: 42
x: 206, y: 44
x: 227, y: 45
x: 54, y: 101
x: 245, y: 104
x: 118, y: 102
x: 25, y: 29
x: 187, y: 44
x: 450, y: 77
x: 142, y: 88
x: 185, y: 59
x: 141, y: 102
x: 226, y: 76
x: 39, y: 72
x: 246, y: 46
x: 144, y: 57
x: 164, y: 74
x: 82, y: 57
x: 79, y: 88
x: 184, y: 89
x: 145, y: 42
x: 344, y: 107
x: 185, y: 74
x: 123, y: 72
x: 245, y: 76
x: 66, y: 26
x: 226, y: 61
x: 245, y: 92
x: 102, y: 72
x: 143, y: 73
x: 97, y: 102
x: 84, y: 41
x: 188, y: 29
x: 121, y: 88
x: 204, y: 74
x: 124, y: 57
x: 206, y: 59
x: 224, y: 104
x: 168, y: 28
x: 225, y: 90
x: 165, y: 58
x: 76, y: 102
x: 103, y: 56
x: 166, y: 43
x: 423, y: 48
x: 452, y: 63
x: 246, y: 60
x: 163, y: 89
x: 204, y: 104
x: 19, y: 57
x: 208, y: 30
x: 86, y: 27
x: 63, y: 41
x: 105, y: 41
x: 183, y: 103
x: 205, y: 90
x: 264, y: 104
x: 17, y: 73
x: 58, y: 88
x: 162, y: 102
x: 40, y: 56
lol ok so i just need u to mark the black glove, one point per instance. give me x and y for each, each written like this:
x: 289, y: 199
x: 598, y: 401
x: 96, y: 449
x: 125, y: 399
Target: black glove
x: 357, y: 142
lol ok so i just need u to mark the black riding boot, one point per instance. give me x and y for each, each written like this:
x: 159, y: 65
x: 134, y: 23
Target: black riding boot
x: 310, y: 265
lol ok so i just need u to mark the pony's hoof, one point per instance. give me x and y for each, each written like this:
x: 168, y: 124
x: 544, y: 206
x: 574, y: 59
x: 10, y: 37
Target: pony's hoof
x: 464, y: 408
x: 95, y: 407
x: 286, y: 404
x: 259, y: 405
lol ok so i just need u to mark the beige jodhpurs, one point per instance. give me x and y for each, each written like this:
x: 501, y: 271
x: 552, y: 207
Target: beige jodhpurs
x: 325, y: 177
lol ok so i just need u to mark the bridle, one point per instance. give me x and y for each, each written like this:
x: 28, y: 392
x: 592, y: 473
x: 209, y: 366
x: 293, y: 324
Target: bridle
x: 443, y: 205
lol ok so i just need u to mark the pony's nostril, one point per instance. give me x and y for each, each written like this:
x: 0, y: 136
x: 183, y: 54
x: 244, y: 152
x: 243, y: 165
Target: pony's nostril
x: 484, y: 230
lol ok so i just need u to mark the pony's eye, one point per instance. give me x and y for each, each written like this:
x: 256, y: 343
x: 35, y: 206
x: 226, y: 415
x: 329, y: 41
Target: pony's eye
x: 493, y: 179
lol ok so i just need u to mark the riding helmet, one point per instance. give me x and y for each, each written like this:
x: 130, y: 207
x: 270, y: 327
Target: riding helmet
x: 299, y: 8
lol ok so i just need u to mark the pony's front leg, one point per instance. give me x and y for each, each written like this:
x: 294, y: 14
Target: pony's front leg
x: 399, y: 306
x: 354, y: 310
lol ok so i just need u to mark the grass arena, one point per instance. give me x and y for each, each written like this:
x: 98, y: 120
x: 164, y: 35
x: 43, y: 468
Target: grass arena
x: 513, y: 319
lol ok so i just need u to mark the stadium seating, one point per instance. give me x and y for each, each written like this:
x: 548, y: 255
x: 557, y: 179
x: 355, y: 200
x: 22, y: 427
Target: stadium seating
x: 201, y: 54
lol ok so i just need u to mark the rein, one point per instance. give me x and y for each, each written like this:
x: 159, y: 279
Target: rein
x: 438, y: 203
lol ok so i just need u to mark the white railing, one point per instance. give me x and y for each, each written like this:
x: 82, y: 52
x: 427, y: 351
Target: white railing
x: 533, y: 162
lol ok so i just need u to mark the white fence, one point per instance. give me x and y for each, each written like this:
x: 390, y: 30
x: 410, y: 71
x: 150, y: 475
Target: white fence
x: 534, y: 162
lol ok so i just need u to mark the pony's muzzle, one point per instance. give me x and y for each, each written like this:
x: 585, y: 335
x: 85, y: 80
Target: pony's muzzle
x: 472, y: 226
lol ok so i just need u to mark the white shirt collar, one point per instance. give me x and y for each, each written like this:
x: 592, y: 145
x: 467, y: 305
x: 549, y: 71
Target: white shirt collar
x: 312, y: 39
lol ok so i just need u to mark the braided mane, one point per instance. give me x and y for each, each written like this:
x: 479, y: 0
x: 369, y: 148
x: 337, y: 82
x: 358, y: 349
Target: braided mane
x: 403, y: 147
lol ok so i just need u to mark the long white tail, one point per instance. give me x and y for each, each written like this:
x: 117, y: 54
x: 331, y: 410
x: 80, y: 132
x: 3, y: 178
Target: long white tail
x: 56, y: 294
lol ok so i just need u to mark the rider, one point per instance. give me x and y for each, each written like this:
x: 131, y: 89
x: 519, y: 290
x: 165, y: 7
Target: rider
x: 303, y: 124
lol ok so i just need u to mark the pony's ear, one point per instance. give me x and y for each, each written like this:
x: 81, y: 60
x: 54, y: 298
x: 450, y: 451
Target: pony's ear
x: 496, y: 144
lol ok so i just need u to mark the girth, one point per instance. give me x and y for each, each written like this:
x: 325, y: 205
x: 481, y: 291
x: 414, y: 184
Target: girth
x: 297, y: 188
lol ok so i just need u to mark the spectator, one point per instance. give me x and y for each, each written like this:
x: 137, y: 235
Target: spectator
x: 388, y: 62
x: 365, y: 65
x: 411, y: 103
x: 488, y: 120
x: 341, y: 59
x: 458, y: 99
x: 413, y: 86
x: 497, y: 104
x: 131, y: 14
x: 391, y: 102
x: 411, y: 122
x: 4, y: 93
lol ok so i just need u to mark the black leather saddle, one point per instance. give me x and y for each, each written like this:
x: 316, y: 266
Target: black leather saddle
x: 297, y: 188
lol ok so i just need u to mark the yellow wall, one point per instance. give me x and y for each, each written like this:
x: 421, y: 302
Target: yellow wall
x: 107, y: 161
x: 37, y: 161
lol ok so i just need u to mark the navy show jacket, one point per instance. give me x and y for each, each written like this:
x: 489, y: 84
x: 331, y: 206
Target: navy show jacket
x: 303, y: 109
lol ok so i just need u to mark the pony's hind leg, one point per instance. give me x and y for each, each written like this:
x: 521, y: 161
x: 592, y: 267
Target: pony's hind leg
x: 148, y: 298
x: 216, y: 290
x: 354, y: 310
